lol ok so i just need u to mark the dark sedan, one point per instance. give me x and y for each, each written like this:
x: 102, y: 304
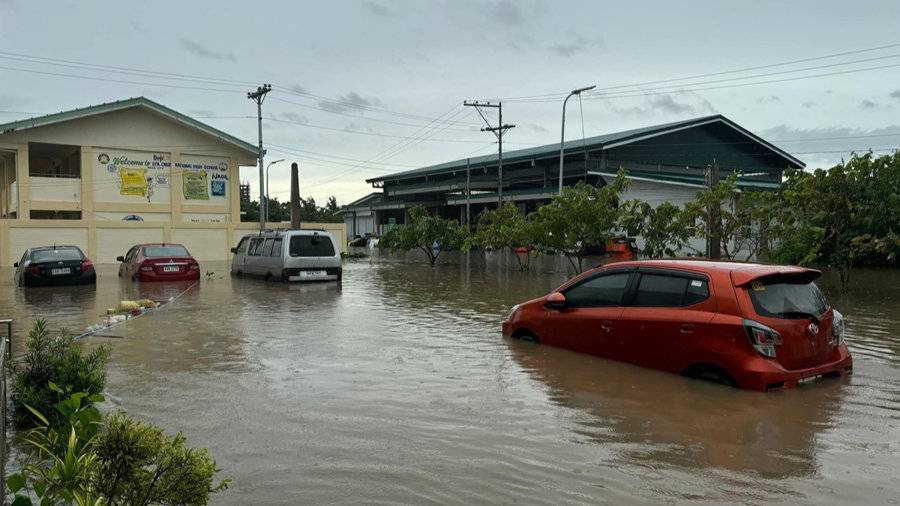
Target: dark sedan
x: 54, y: 265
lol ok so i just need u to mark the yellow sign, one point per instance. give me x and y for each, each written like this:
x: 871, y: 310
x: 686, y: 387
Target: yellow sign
x: 195, y: 185
x: 133, y: 182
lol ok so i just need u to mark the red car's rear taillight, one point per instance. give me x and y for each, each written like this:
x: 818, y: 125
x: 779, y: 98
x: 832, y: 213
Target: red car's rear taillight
x: 762, y: 338
x: 33, y: 269
x: 146, y: 266
x: 195, y: 266
x: 86, y: 264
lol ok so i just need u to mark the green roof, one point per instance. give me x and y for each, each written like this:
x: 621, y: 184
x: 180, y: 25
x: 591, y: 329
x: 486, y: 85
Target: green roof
x: 606, y: 141
x: 83, y: 112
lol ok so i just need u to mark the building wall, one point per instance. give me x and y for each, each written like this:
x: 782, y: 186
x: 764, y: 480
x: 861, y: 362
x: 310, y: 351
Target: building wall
x: 191, y: 197
x: 133, y: 161
x: 365, y: 223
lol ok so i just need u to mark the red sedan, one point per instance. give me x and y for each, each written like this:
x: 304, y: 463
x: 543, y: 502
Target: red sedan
x: 159, y: 262
x: 760, y: 327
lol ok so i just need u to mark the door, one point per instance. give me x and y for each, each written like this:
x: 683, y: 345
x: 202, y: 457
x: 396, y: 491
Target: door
x: 589, y: 322
x: 126, y: 268
x: 666, y: 320
x: 240, y: 256
x: 251, y: 262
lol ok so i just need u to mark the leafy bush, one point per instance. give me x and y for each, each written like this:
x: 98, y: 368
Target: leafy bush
x: 54, y: 360
x: 89, y: 460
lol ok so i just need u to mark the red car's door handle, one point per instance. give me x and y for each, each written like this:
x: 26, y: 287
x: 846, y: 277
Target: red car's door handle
x: 606, y: 326
x: 687, y: 328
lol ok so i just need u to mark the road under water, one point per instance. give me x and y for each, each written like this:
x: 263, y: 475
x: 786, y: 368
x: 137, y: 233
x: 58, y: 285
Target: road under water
x: 395, y: 387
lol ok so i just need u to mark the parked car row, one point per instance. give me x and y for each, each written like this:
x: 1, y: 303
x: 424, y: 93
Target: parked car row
x: 288, y: 255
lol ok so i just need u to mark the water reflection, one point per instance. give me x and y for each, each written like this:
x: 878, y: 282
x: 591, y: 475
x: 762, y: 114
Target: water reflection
x: 662, y: 420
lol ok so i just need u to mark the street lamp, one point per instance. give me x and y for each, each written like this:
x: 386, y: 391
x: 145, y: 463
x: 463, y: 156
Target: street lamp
x: 562, y: 140
x: 273, y: 162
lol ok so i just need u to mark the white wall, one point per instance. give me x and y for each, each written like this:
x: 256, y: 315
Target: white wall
x: 21, y: 239
x: 56, y: 189
x: 113, y: 242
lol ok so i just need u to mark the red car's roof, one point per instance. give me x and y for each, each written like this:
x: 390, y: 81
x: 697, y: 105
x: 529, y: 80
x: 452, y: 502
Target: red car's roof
x: 741, y: 272
x: 161, y: 244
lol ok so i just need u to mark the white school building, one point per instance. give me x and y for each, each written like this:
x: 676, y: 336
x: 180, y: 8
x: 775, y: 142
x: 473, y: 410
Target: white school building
x: 113, y: 175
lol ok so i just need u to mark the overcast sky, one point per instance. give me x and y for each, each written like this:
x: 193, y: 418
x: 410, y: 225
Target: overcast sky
x: 359, y: 83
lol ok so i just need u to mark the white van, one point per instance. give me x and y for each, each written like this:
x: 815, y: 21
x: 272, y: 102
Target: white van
x: 288, y: 255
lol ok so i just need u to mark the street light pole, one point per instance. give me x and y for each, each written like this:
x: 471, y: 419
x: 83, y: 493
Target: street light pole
x: 562, y: 135
x: 267, y: 184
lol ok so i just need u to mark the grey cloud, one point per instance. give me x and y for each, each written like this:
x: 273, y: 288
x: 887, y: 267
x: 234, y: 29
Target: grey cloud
x: 868, y: 105
x: 535, y: 127
x: 349, y: 102
x: 508, y: 13
x: 575, y: 46
x: 809, y: 104
x: 296, y: 88
x: 773, y: 99
x: 137, y: 27
x: 896, y: 94
x: 667, y: 104
x: 824, y: 147
x: 377, y: 9
x: 296, y: 118
x: 202, y: 51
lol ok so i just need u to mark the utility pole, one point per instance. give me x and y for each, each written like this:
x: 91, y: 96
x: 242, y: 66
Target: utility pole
x: 258, y: 96
x: 713, y: 245
x: 468, y: 196
x: 498, y: 130
x: 295, y: 197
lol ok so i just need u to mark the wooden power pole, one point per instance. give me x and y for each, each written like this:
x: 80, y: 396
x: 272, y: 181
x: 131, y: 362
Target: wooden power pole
x: 295, y: 197
x: 713, y: 242
x: 498, y: 130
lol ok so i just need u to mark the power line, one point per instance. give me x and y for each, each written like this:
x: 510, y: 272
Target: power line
x: 714, y: 74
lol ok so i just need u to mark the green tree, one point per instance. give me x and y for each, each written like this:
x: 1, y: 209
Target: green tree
x: 842, y: 217
x: 665, y: 229
x: 582, y: 216
x: 504, y: 228
x: 428, y: 233
x: 744, y: 218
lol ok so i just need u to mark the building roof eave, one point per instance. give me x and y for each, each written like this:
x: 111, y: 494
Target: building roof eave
x: 59, y: 117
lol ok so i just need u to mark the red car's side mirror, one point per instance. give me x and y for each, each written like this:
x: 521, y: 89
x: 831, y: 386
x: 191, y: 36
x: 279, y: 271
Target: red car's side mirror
x: 555, y: 300
x: 120, y: 259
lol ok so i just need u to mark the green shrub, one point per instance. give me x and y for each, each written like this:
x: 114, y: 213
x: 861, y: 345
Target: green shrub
x: 54, y: 360
x: 87, y: 459
x: 142, y: 465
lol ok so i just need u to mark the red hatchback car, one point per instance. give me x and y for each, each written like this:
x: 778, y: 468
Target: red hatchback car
x: 159, y: 262
x: 759, y: 327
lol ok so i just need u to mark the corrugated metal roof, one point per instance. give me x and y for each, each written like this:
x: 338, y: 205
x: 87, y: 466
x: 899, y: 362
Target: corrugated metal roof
x: 591, y: 143
x: 118, y: 105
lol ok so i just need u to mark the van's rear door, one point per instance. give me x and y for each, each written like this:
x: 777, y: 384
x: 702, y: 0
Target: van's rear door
x: 791, y: 304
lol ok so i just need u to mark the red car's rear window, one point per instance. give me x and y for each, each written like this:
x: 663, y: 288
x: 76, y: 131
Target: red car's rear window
x: 787, y: 297
x: 166, y: 251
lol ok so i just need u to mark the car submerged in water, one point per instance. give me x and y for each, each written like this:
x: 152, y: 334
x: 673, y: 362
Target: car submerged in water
x: 54, y: 265
x: 158, y: 262
x: 752, y: 326
x: 288, y: 255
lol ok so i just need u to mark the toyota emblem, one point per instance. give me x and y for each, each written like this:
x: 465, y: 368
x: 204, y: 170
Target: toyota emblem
x: 813, y: 329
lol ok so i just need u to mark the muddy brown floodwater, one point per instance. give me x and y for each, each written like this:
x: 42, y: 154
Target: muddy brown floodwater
x: 396, y: 387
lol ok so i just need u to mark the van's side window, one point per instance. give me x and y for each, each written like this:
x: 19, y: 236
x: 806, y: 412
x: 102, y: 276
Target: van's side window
x: 660, y: 290
x: 242, y: 247
x: 276, y: 248
x: 254, y: 247
x: 266, y: 250
x: 599, y: 291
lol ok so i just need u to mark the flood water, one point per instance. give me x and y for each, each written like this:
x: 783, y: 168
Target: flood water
x: 396, y: 387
